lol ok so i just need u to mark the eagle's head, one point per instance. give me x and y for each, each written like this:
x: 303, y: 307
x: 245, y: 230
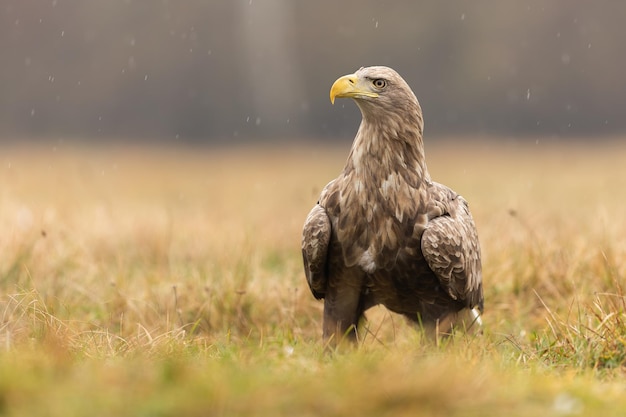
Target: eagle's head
x: 382, y: 96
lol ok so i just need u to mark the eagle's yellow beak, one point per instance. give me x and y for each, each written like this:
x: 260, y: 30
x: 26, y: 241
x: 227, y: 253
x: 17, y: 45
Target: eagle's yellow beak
x: 350, y: 86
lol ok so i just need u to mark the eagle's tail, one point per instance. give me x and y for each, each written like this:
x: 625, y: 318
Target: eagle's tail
x: 469, y: 320
x: 466, y: 320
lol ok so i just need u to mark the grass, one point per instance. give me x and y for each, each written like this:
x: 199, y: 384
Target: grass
x: 166, y: 281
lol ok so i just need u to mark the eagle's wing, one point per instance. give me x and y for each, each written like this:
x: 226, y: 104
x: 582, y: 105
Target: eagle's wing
x: 315, y: 239
x: 451, y: 249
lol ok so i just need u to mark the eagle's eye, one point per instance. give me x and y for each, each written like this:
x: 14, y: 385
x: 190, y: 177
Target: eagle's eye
x: 379, y: 83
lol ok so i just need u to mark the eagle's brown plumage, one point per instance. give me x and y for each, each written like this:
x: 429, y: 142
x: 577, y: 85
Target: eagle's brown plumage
x: 382, y: 232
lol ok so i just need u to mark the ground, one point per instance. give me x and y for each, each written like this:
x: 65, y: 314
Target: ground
x: 156, y: 281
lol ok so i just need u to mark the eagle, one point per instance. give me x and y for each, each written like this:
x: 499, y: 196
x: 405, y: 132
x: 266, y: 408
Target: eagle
x: 383, y: 232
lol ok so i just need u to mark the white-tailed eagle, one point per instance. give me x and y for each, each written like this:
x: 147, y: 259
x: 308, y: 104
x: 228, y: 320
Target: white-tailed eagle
x: 383, y: 232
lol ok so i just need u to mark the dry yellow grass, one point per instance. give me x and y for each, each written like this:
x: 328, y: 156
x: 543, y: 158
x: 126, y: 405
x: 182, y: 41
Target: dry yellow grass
x: 168, y: 281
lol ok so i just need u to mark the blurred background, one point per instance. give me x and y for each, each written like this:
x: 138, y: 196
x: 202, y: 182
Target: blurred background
x: 239, y: 70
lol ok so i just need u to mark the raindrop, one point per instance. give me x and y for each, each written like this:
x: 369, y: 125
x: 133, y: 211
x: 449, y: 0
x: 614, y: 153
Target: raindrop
x: 463, y: 16
x: 247, y: 119
x: 62, y: 33
x: 145, y: 78
x: 258, y: 121
x: 528, y: 94
x: 32, y: 112
x: 208, y: 52
x: 589, y: 46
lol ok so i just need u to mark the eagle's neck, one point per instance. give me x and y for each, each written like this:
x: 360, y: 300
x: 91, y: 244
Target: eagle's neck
x: 389, y: 146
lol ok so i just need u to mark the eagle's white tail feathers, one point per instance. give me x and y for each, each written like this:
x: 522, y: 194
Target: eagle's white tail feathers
x: 467, y: 320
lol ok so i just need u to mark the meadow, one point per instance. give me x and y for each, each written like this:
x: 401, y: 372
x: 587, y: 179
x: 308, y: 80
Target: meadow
x: 167, y: 281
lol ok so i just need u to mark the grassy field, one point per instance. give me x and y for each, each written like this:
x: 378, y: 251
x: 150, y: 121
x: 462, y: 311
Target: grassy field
x: 168, y: 282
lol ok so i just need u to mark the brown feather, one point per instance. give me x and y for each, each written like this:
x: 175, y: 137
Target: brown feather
x: 315, y: 239
x: 383, y: 232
